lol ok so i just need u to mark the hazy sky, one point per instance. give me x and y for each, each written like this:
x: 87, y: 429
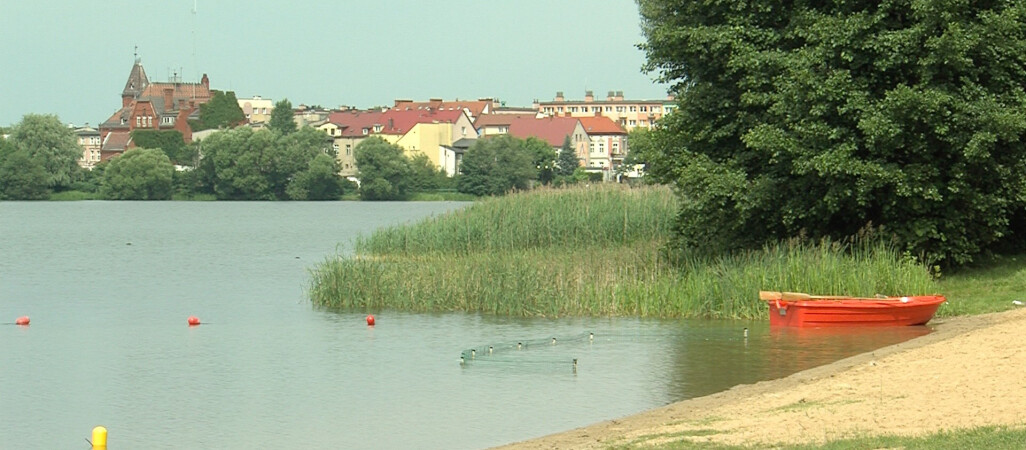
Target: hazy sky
x: 72, y: 58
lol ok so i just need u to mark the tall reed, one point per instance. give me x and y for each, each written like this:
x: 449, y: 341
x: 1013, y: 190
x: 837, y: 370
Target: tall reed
x: 549, y: 253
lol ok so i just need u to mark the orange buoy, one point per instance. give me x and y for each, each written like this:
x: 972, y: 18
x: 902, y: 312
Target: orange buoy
x: 193, y: 321
x: 370, y: 320
x: 23, y: 320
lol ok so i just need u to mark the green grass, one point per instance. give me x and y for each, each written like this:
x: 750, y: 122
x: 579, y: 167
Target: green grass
x: 983, y: 438
x: 442, y: 197
x: 988, y: 287
x: 589, y: 251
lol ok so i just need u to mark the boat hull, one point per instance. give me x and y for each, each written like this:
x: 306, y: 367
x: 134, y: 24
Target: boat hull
x: 847, y: 312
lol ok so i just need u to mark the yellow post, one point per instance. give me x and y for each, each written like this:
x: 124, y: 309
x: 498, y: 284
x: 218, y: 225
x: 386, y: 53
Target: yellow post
x: 99, y: 438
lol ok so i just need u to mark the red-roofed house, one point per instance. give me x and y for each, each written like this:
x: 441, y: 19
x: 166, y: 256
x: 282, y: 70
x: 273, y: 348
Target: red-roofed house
x: 607, y: 144
x: 496, y: 124
x: 553, y: 130
x: 153, y: 106
x: 427, y: 131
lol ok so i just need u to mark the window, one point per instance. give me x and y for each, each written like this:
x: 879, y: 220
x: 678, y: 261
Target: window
x: 366, y: 130
x: 609, y: 108
x: 633, y: 122
x: 644, y: 109
x: 335, y: 148
x: 560, y: 109
x: 655, y: 109
x: 634, y: 108
x: 138, y: 121
x: 349, y: 149
x: 619, y: 109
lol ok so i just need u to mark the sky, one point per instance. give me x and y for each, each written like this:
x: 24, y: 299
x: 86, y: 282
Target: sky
x: 72, y: 58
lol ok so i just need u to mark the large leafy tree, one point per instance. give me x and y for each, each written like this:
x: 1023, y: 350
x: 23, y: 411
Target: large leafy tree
x: 22, y: 177
x: 543, y: 157
x: 138, y: 174
x: 320, y: 180
x: 170, y: 141
x: 282, y: 119
x: 821, y: 118
x: 222, y: 111
x: 495, y: 166
x: 242, y: 164
x: 52, y: 145
x: 385, y: 173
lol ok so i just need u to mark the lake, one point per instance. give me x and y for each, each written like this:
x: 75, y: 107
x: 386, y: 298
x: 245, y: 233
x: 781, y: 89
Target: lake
x: 109, y: 287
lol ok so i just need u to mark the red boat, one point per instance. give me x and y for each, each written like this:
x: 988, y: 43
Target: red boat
x: 793, y: 309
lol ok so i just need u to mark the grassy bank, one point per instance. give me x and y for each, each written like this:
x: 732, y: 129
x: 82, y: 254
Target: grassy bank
x: 588, y: 251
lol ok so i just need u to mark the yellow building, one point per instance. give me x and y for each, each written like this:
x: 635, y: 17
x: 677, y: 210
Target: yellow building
x: 629, y: 114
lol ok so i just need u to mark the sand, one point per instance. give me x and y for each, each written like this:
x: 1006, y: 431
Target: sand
x: 970, y: 372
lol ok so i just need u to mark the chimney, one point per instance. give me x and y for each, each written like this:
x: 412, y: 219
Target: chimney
x: 559, y: 96
x: 168, y: 98
x: 181, y: 104
x: 619, y: 96
x: 205, y: 81
x: 609, y: 96
x: 589, y: 96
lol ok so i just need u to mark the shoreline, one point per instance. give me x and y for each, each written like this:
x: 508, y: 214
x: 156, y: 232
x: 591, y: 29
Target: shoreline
x: 964, y: 373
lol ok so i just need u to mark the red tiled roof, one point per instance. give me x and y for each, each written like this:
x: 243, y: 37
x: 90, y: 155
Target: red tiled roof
x: 474, y: 108
x: 117, y: 141
x: 352, y: 123
x: 400, y: 121
x: 601, y: 125
x: 500, y: 119
x: 550, y: 129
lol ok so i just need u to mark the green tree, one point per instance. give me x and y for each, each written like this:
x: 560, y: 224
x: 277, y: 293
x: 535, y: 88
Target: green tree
x: 171, y: 141
x: 50, y: 143
x: 22, y: 177
x: 385, y: 173
x: 543, y: 157
x: 320, y: 181
x: 222, y: 111
x: 425, y: 175
x: 138, y: 174
x: 496, y: 166
x: 568, y: 161
x: 819, y: 119
x: 282, y: 118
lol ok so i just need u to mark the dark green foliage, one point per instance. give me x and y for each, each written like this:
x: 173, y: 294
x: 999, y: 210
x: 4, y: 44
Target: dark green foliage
x: 170, y: 141
x: 51, y: 144
x: 820, y: 119
x: 385, y: 173
x: 568, y: 161
x: 282, y: 118
x: 426, y: 176
x: 222, y: 111
x: 544, y: 158
x: 320, y: 181
x: 138, y: 174
x: 495, y: 166
x: 242, y: 164
x: 22, y: 177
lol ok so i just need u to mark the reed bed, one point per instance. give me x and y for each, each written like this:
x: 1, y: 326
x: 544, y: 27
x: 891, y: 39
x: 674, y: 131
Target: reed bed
x: 549, y: 254
x: 606, y: 214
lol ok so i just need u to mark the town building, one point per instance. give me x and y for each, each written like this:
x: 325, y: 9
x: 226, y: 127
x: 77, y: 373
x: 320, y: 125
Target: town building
x: 89, y: 139
x: 607, y: 145
x: 554, y: 131
x: 630, y: 114
x: 152, y: 106
x: 256, y: 109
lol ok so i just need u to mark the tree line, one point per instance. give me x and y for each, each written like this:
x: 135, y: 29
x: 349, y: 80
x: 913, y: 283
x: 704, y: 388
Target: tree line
x: 282, y: 162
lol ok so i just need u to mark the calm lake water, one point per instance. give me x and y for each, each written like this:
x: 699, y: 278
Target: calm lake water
x: 109, y: 286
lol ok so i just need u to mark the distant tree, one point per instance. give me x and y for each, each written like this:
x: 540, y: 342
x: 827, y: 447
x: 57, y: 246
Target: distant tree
x: 242, y: 164
x: 544, y: 157
x: 320, y: 181
x: 282, y: 118
x: 22, y: 177
x: 171, y: 141
x: 425, y: 175
x: 222, y: 111
x: 495, y: 166
x: 385, y: 172
x: 138, y: 174
x: 644, y: 147
x: 567, y: 160
x: 52, y: 144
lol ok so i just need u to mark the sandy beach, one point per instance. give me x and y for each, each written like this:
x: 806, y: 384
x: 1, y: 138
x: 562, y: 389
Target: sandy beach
x: 970, y: 372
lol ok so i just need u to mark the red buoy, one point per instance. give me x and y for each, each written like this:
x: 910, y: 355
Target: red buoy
x: 193, y: 321
x: 370, y: 320
x: 23, y: 320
